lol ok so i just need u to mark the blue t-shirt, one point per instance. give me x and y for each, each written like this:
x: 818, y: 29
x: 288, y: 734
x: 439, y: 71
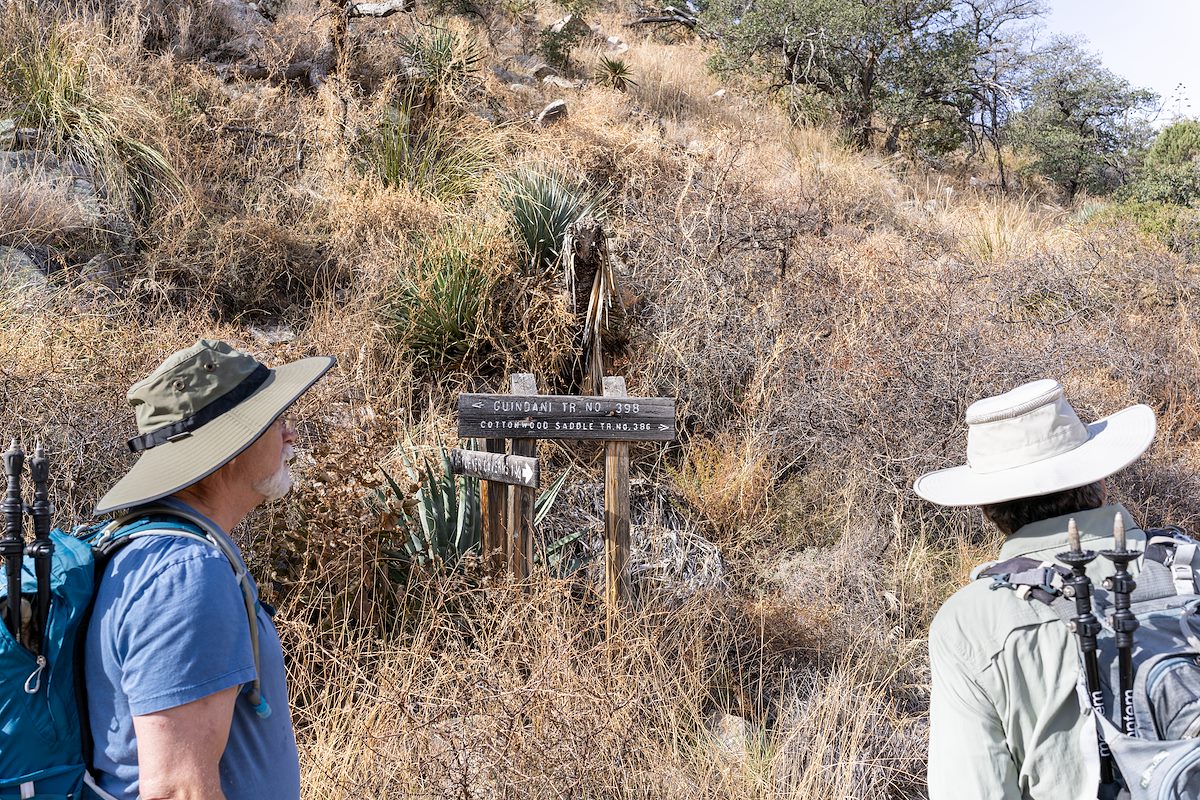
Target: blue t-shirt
x: 169, y: 627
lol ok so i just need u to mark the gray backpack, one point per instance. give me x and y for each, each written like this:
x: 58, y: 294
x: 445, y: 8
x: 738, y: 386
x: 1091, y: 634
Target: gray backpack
x: 1162, y: 762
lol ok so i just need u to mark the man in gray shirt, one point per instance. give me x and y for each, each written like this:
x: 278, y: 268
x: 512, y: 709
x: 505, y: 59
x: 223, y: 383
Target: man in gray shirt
x: 1005, y: 720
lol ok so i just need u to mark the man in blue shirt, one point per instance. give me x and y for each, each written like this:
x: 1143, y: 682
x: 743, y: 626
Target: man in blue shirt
x: 169, y: 656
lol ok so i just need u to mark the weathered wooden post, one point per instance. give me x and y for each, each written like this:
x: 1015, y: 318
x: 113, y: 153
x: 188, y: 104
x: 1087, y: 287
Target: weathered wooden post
x: 521, y: 499
x: 493, y: 503
x: 616, y: 512
x: 496, y: 472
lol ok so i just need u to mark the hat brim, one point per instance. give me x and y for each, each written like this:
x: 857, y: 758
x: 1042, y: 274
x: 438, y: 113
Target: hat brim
x: 1113, y: 443
x: 167, y: 468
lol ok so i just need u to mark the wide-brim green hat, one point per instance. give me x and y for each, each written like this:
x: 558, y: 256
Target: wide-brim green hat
x: 202, y: 407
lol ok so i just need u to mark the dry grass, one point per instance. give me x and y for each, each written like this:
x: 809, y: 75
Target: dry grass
x: 822, y: 318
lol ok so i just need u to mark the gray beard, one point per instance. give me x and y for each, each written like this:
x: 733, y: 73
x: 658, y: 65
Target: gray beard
x: 280, y: 483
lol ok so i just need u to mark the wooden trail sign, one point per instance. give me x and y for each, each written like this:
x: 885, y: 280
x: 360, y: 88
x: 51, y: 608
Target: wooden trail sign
x: 534, y: 416
x: 526, y: 416
x: 516, y: 470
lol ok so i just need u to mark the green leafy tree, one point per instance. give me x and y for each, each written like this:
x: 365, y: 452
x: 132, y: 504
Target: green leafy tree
x: 1171, y: 170
x: 926, y: 73
x: 1083, y: 125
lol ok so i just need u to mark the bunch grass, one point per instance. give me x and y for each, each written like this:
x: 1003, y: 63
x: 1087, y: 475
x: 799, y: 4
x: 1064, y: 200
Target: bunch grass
x: 46, y: 80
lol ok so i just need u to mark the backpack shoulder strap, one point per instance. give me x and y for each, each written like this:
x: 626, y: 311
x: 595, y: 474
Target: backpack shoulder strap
x: 158, y: 520
x: 1031, y: 579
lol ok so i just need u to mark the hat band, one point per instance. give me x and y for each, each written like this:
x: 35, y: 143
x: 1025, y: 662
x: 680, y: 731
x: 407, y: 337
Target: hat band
x: 185, y: 427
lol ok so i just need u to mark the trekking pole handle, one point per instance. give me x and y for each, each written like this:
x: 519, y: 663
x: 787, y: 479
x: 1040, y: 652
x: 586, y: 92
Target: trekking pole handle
x: 41, y: 510
x: 42, y: 548
x: 1087, y: 628
x: 1124, y: 623
x: 12, y: 545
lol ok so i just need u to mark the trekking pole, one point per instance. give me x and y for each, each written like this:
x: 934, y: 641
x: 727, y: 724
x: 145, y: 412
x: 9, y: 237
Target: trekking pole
x: 1122, y: 584
x: 12, y: 545
x: 1087, y: 628
x: 42, y: 548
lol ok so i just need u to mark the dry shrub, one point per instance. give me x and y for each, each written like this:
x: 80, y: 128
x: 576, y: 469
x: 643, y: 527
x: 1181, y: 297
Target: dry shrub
x: 499, y: 691
x: 39, y: 213
x: 727, y: 480
x: 671, y: 82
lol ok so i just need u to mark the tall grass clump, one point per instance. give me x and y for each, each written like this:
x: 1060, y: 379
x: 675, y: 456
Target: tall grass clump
x: 46, y: 82
x: 430, y: 152
x: 436, y: 309
x: 542, y: 206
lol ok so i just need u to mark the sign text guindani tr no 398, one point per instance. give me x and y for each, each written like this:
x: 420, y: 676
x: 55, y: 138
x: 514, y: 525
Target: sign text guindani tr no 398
x: 617, y: 419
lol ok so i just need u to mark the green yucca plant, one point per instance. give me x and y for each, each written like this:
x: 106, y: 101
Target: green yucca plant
x: 436, y: 308
x: 442, y: 60
x: 427, y: 153
x: 542, y: 207
x: 44, y: 80
x: 445, y: 522
x: 614, y: 72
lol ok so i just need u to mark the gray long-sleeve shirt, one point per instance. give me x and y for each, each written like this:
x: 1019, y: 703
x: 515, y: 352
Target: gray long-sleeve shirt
x: 1005, y: 721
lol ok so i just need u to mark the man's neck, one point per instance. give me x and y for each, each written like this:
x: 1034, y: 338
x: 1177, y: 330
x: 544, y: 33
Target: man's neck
x: 225, y: 515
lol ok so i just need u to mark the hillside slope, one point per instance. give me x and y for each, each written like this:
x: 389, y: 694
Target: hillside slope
x: 172, y: 171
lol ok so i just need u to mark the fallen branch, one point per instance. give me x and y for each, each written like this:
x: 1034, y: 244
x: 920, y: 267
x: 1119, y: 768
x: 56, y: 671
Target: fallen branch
x: 669, y: 15
x: 378, y: 10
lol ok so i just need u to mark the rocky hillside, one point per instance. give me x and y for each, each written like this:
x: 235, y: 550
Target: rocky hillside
x: 445, y: 194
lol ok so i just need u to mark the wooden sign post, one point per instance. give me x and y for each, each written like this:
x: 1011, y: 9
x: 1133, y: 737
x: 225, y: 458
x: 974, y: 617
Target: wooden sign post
x: 520, y: 499
x: 493, y: 502
x: 525, y: 416
x: 616, y: 512
x: 500, y: 475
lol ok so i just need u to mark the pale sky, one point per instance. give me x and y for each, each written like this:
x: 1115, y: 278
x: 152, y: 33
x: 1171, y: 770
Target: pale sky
x: 1151, y: 43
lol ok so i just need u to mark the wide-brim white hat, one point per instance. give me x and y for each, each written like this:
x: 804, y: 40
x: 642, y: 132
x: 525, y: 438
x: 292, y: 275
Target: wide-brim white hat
x: 1029, y: 442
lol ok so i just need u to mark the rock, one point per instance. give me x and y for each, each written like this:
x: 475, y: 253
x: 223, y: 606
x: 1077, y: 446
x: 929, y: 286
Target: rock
x: 455, y: 761
x: 510, y: 77
x: 730, y: 736
x: 694, y: 148
x: 552, y: 113
x: 486, y: 114
x: 573, y: 25
x: 719, y: 94
x: 534, y: 67
x: 19, y: 273
x: 104, y: 270
x: 270, y: 335
x: 246, y: 46
x: 561, y: 83
x: 616, y: 45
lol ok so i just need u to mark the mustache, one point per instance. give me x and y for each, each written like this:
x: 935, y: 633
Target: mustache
x: 288, y: 453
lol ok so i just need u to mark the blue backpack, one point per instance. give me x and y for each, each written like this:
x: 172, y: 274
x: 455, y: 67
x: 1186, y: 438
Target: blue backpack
x: 43, y: 729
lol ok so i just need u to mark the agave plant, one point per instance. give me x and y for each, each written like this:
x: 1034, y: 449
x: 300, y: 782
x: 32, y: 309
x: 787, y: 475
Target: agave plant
x: 441, y: 59
x: 442, y: 520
